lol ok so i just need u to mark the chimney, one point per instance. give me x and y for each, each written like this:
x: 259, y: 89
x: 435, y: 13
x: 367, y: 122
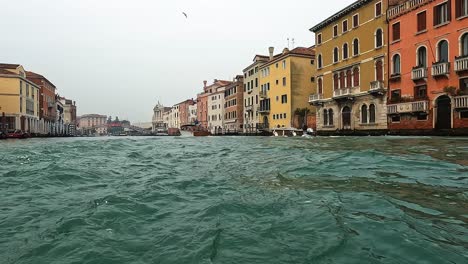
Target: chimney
x: 271, y: 50
x: 204, y: 84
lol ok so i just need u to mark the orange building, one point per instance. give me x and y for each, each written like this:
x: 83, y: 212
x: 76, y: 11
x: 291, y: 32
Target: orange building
x: 184, y: 113
x: 428, y: 75
x: 234, y: 106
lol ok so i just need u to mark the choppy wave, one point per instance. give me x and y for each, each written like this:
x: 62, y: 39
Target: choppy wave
x: 234, y: 200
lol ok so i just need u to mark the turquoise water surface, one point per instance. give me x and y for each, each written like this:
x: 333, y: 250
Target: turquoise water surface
x: 234, y: 200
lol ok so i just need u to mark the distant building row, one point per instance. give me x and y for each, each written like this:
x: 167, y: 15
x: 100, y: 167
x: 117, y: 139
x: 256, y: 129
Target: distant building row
x: 29, y: 102
x: 377, y: 66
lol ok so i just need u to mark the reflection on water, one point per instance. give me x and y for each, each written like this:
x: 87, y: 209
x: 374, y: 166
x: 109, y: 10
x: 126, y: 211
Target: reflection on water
x: 234, y: 200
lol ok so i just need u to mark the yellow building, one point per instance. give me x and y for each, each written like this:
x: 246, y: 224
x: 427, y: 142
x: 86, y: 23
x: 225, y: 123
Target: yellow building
x: 351, y: 53
x: 286, y: 81
x: 19, y: 99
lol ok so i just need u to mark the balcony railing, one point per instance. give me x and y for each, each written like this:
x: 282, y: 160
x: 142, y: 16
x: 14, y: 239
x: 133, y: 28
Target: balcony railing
x: 461, y: 101
x: 263, y: 94
x: 419, y: 73
x: 376, y: 85
x: 405, y: 7
x: 419, y: 106
x: 315, y: 98
x: 344, y: 92
x: 461, y: 63
x: 264, y: 110
x: 440, y: 68
x: 249, y: 108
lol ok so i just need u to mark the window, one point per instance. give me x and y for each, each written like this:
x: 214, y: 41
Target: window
x: 335, y: 55
x: 396, y: 119
x: 464, y: 45
x: 372, y: 113
x: 461, y: 8
x: 345, y: 51
x: 319, y: 63
x: 396, y: 31
x: 356, y: 77
x: 330, y: 117
x: 355, y: 20
x: 342, y: 80
x: 420, y: 92
x: 349, y: 78
x: 284, y: 64
x: 355, y: 47
x: 364, y: 114
x: 320, y: 85
x: 395, y: 96
x: 422, y: 24
x: 256, y: 82
x: 378, y: 9
x: 319, y: 39
x: 421, y: 116
x: 463, y: 114
x: 422, y: 57
x: 378, y: 38
x: 325, y: 117
x: 396, y: 64
x: 335, y: 30
x: 277, y: 82
x: 442, y: 13
x: 379, y: 70
x: 21, y: 87
x: 312, y: 79
x: 345, y: 26
x: 284, y: 81
x: 312, y: 62
x: 442, y: 51
x: 335, y: 81
x: 276, y: 65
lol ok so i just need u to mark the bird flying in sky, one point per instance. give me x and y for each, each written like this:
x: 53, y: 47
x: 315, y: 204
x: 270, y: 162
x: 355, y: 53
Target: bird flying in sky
x: 185, y: 14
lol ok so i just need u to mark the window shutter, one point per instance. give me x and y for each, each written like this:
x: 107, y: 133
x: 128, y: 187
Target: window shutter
x: 449, y: 10
x: 458, y: 8
x: 421, y: 21
x: 435, y: 15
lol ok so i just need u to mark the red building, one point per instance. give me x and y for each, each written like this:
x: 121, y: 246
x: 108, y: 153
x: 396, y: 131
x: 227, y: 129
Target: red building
x: 428, y: 60
x: 184, y: 113
x: 47, y: 103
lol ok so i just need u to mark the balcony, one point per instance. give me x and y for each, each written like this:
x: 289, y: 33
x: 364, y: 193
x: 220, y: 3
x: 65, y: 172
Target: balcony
x: 461, y: 102
x: 249, y: 108
x: 440, y: 69
x: 263, y: 94
x: 405, y: 7
x: 461, y: 63
x: 315, y: 98
x: 419, y: 73
x: 344, y: 92
x: 410, y: 107
x: 50, y: 105
x: 264, y: 110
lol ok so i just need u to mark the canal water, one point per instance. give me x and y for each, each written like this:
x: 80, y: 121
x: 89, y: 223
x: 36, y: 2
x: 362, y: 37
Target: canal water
x: 234, y: 200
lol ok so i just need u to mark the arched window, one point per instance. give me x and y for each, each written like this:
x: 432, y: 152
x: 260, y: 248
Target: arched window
x: 372, y: 113
x: 378, y: 38
x: 422, y: 57
x: 396, y: 64
x: 335, y: 81
x: 364, y: 114
x: 320, y: 86
x: 355, y: 47
x: 464, y: 45
x: 335, y: 55
x: 356, y: 77
x: 330, y: 117
x: 325, y: 117
x: 319, y: 64
x: 442, y: 50
x: 379, y: 70
x: 342, y: 80
x: 349, y: 78
x: 345, y: 51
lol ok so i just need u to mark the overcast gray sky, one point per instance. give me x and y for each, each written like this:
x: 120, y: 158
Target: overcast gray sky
x: 119, y: 57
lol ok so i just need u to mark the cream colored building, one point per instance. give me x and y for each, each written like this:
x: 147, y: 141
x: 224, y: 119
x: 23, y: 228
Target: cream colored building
x: 251, y: 93
x: 19, y: 99
x: 193, y: 113
x: 216, y: 110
